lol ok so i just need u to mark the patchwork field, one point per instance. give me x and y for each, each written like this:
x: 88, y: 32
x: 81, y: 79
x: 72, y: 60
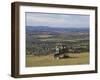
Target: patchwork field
x: 49, y: 60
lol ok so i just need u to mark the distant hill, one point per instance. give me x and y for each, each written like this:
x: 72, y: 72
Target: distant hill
x: 54, y: 29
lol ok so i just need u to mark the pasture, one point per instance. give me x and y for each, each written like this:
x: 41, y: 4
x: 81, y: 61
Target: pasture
x: 49, y: 60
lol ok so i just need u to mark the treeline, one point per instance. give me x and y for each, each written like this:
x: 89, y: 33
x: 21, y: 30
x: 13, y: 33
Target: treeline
x: 45, y: 48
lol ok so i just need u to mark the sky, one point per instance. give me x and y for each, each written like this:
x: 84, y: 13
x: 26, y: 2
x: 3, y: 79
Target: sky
x: 57, y: 20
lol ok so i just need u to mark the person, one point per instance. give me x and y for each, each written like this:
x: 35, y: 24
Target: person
x: 57, y: 50
x: 56, y: 55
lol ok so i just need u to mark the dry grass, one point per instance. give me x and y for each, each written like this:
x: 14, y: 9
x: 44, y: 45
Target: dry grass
x: 48, y: 60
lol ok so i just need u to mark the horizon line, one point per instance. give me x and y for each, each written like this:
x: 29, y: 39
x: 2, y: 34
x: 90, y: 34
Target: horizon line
x: 56, y: 27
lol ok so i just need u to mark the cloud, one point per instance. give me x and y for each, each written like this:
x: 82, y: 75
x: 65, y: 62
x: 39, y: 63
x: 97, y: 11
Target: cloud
x: 56, y: 20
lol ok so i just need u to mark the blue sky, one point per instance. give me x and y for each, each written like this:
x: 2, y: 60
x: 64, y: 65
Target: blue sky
x: 57, y: 20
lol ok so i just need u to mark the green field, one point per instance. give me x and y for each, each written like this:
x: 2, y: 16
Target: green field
x: 49, y: 60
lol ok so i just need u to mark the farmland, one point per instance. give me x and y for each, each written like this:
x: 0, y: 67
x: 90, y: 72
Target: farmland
x: 41, y: 42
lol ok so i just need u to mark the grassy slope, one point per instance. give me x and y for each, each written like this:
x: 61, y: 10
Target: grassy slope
x: 74, y: 59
